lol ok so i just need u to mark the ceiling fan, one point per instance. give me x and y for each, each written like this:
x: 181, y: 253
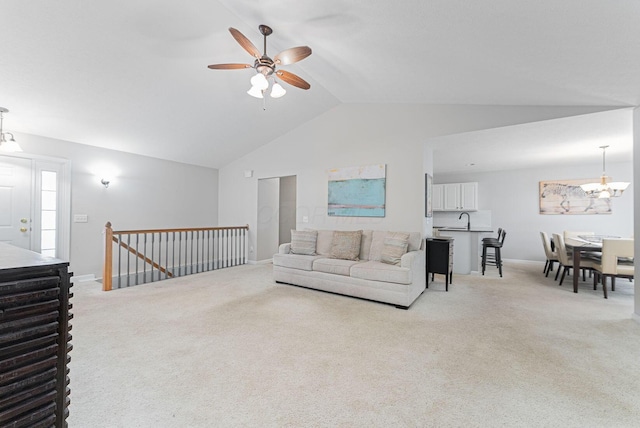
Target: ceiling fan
x: 266, y: 67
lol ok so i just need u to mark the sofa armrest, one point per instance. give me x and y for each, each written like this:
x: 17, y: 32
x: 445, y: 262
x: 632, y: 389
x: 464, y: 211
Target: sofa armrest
x: 284, y: 248
x: 415, y: 260
x: 409, y: 260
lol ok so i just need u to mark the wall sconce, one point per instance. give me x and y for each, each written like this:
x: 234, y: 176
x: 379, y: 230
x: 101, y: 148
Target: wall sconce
x: 105, y: 183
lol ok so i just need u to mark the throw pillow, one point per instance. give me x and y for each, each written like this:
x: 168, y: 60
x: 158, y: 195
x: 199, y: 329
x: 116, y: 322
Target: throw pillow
x: 395, y: 246
x: 346, y: 245
x: 304, y: 242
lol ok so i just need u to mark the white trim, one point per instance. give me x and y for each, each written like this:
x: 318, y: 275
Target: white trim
x: 262, y: 262
x: 64, y: 199
x: 538, y: 262
x: 635, y: 317
x: 83, y: 278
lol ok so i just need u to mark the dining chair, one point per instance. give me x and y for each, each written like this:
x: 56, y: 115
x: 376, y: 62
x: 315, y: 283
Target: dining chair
x: 552, y: 255
x: 566, y: 262
x: 616, y: 262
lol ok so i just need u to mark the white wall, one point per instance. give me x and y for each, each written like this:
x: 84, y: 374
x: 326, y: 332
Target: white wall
x: 355, y: 135
x: 512, y: 198
x: 145, y: 193
x: 287, y: 217
x: 636, y: 193
x: 268, y: 217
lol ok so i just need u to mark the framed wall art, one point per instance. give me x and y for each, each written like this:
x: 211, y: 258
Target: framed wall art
x: 428, y: 195
x: 567, y: 197
x: 357, y: 191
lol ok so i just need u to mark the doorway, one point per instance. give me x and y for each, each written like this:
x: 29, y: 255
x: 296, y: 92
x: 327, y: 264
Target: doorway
x: 35, y: 204
x: 276, y: 214
x: 15, y: 201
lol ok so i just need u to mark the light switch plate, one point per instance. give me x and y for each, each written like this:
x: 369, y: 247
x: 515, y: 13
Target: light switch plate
x: 80, y: 218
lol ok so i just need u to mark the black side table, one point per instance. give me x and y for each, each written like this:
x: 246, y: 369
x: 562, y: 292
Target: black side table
x: 440, y: 259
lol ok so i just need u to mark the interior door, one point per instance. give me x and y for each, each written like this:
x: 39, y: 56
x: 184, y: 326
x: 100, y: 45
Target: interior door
x: 15, y: 201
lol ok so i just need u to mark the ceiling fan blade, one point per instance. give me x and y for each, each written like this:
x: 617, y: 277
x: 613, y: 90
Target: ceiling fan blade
x: 229, y: 66
x: 245, y: 43
x: 293, y: 79
x: 292, y: 55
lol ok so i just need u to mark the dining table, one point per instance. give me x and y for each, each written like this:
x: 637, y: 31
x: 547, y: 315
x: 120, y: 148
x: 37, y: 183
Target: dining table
x: 583, y: 244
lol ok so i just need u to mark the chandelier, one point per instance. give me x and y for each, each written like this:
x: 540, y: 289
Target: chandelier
x: 9, y: 145
x: 604, y: 189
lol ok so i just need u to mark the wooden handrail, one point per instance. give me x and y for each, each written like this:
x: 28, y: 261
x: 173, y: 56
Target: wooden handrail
x: 142, y: 256
x: 184, y: 229
x: 107, y: 273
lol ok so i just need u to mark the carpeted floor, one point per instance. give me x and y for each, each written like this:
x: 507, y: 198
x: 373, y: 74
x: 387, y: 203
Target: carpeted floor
x: 231, y: 348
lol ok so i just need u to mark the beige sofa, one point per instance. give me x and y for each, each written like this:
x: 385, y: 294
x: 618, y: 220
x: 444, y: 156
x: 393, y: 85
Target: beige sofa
x: 367, y: 278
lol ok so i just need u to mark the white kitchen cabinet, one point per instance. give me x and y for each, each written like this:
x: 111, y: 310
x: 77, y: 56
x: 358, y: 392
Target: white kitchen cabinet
x: 437, y: 197
x: 469, y: 196
x: 456, y: 197
x: 451, y: 197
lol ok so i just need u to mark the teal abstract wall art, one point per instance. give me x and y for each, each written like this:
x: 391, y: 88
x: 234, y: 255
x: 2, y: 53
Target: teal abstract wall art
x: 357, y: 191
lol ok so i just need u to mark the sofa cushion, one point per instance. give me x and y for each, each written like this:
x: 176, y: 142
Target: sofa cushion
x: 304, y: 242
x: 295, y: 261
x: 335, y: 266
x: 323, y: 245
x: 415, y: 241
x: 377, y: 271
x: 377, y: 244
x: 346, y: 245
x: 395, y: 245
x: 365, y: 244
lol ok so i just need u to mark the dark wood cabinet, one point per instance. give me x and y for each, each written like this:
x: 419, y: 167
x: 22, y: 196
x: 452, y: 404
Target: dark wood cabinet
x: 440, y: 259
x: 34, y: 339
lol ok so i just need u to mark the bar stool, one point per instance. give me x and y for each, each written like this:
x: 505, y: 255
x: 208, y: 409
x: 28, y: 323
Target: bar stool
x: 491, y: 238
x: 495, y: 258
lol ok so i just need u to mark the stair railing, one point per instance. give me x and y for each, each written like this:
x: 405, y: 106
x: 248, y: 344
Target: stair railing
x: 141, y: 256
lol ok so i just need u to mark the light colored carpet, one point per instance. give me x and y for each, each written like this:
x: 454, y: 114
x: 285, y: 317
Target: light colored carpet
x: 232, y: 348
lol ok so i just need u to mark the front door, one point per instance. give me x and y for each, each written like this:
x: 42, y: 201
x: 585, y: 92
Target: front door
x: 15, y: 201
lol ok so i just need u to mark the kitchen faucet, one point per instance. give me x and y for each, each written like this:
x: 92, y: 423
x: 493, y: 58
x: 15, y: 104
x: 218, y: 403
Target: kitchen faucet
x: 468, y: 219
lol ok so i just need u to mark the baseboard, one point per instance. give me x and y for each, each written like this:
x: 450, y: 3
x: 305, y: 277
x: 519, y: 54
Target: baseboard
x: 635, y: 317
x: 83, y: 278
x: 264, y: 262
x: 537, y: 262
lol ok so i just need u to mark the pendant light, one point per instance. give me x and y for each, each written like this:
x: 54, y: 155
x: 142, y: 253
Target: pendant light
x: 604, y: 189
x: 7, y: 145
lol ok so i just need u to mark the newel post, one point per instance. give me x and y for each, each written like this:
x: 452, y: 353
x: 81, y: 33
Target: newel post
x: 108, y: 258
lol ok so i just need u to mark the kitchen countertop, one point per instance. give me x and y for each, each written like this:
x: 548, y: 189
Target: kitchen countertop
x: 463, y: 229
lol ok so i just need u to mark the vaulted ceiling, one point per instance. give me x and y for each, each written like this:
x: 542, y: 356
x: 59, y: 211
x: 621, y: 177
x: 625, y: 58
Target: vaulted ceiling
x: 132, y: 75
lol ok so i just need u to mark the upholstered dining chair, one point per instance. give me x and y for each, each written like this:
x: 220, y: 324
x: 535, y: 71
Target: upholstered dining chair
x: 552, y: 255
x: 616, y: 262
x: 566, y: 262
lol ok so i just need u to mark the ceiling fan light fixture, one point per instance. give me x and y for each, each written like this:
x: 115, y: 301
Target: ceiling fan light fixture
x: 277, y: 90
x: 259, y: 81
x: 266, y: 67
x: 255, y: 92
